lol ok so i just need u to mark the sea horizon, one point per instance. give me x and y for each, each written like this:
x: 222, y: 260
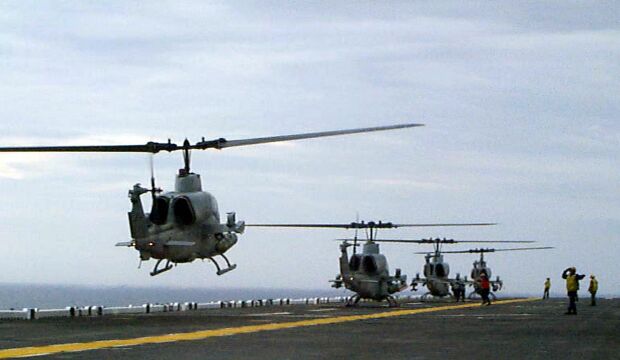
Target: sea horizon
x: 49, y: 296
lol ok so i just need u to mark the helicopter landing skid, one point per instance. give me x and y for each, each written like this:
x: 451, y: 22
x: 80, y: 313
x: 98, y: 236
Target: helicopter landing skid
x: 392, y: 301
x: 475, y: 296
x: 353, y: 300
x: 430, y: 297
x: 221, y: 271
x: 157, y: 271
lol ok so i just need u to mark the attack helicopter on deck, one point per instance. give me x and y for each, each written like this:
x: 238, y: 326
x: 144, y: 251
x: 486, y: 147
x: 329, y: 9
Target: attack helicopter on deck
x: 480, y: 266
x: 437, y: 271
x: 366, y: 274
x: 184, y: 224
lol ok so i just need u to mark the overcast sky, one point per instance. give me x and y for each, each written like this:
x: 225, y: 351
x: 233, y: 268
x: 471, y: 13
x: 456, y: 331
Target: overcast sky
x: 520, y: 103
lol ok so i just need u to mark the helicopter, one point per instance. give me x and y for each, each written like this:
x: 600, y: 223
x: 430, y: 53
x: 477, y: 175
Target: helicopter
x: 480, y: 266
x: 184, y: 224
x: 436, y: 271
x: 366, y: 274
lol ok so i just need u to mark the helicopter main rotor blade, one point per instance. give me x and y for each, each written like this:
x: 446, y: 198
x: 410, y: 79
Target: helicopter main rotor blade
x: 471, y: 251
x: 445, y: 225
x: 221, y: 143
x: 450, y: 241
x: 362, y: 225
x: 336, y: 226
x: 150, y: 147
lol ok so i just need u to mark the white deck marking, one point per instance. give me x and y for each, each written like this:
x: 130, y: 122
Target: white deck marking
x: 269, y: 314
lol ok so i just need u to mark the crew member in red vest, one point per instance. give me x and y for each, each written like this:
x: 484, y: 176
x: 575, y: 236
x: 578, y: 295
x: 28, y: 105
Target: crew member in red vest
x: 485, y: 288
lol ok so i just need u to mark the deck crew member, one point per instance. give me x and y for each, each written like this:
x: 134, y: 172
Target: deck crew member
x: 572, y: 285
x: 485, y: 288
x: 458, y: 288
x: 593, y: 288
x: 547, y: 287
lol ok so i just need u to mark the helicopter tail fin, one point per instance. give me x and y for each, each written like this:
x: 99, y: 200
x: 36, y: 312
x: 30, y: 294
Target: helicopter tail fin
x: 137, y: 219
x: 137, y: 225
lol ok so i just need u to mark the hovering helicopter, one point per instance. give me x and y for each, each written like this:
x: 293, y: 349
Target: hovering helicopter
x: 184, y: 224
x: 436, y: 271
x: 480, y: 266
x: 366, y: 274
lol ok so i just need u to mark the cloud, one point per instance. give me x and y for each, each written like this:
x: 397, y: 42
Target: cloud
x: 408, y: 184
x: 520, y: 110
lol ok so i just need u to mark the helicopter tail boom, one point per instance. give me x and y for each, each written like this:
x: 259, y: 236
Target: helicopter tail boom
x: 137, y: 219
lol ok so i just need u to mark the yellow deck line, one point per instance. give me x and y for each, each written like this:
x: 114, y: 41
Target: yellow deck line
x: 204, y: 334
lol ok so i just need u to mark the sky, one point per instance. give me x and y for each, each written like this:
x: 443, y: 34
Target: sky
x: 520, y: 102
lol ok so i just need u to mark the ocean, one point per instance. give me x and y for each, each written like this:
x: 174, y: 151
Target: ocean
x: 18, y: 296
x: 43, y: 296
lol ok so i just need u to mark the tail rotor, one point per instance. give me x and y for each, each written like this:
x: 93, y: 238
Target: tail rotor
x: 357, y: 220
x: 154, y: 190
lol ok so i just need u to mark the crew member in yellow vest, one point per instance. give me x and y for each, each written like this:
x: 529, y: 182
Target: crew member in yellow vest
x: 593, y: 288
x: 547, y: 287
x: 572, y: 285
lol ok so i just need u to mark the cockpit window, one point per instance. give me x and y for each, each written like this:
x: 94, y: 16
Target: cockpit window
x: 369, y: 264
x: 159, y: 211
x: 440, y: 270
x: 429, y: 269
x: 183, y: 211
x: 354, y: 263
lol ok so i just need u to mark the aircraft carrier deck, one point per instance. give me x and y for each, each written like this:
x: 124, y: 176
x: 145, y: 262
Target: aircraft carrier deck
x: 517, y: 329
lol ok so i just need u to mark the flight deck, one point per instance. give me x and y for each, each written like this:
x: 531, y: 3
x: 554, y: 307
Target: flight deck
x: 517, y: 328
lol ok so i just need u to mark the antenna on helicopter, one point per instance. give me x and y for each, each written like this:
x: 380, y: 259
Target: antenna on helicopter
x: 357, y: 219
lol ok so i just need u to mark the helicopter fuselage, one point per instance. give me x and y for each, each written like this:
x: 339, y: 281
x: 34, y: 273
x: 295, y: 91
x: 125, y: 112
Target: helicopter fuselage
x: 367, y: 274
x: 181, y: 246
x: 479, y: 267
x: 182, y: 226
x: 438, y: 287
x: 436, y: 276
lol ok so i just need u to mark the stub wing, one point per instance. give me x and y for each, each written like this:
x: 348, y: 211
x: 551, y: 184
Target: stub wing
x: 125, y: 243
x: 418, y: 281
x: 180, y: 243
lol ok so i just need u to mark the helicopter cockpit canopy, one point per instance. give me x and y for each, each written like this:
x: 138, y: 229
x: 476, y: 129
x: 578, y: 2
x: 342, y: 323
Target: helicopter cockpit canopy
x: 429, y: 269
x: 436, y: 269
x: 369, y: 264
x: 159, y: 210
x: 183, y: 209
x: 442, y: 270
x: 355, y: 262
x: 475, y: 272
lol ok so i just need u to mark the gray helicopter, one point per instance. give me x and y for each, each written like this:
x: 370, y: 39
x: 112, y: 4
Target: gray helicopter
x: 366, y: 274
x: 184, y: 224
x: 436, y: 271
x: 480, y: 266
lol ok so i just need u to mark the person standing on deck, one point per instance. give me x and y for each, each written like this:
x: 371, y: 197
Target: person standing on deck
x: 485, y: 288
x: 572, y: 285
x: 547, y: 287
x: 593, y: 288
